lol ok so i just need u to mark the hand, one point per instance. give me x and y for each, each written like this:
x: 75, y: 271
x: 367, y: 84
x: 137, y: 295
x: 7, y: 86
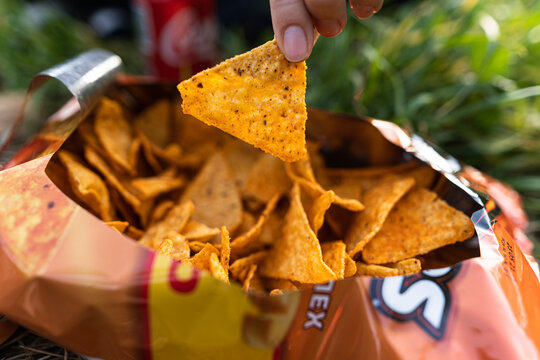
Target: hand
x: 297, y: 23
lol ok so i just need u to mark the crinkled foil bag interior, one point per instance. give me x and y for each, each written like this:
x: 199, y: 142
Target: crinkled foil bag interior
x: 69, y: 277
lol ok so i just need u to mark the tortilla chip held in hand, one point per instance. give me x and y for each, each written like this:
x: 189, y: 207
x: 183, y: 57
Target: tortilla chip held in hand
x: 259, y: 97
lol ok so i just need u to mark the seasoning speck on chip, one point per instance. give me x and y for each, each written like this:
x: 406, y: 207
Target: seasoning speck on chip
x: 259, y: 97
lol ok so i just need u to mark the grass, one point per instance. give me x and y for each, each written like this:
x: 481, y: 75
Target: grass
x: 25, y: 345
x: 29, y: 43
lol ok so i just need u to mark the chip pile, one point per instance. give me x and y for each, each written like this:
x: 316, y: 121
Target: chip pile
x: 272, y: 222
x: 203, y: 197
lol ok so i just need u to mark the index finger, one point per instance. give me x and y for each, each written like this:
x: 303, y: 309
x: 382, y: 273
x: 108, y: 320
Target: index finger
x: 365, y: 8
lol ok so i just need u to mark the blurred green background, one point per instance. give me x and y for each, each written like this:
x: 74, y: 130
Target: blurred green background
x: 464, y: 74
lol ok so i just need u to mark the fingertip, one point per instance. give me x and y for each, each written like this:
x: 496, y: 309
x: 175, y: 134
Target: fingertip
x: 295, y: 44
x: 363, y: 11
x: 328, y: 28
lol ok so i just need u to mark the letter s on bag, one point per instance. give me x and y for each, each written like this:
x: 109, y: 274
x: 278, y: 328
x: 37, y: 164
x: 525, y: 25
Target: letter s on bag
x: 424, y: 298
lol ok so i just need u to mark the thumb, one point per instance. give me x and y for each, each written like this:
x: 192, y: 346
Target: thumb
x: 293, y: 28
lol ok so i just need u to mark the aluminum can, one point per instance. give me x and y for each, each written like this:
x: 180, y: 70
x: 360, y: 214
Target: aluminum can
x: 178, y: 38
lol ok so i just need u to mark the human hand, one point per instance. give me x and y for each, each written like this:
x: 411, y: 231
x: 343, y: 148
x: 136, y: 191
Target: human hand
x: 297, y: 23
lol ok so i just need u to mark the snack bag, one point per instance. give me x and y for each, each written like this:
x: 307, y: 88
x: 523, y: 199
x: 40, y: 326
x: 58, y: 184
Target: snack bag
x: 128, y: 230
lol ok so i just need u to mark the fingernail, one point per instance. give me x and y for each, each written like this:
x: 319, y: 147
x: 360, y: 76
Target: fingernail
x: 295, y: 43
x: 328, y: 28
x: 363, y: 12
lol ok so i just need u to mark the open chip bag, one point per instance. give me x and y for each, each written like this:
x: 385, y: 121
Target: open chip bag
x: 129, y: 230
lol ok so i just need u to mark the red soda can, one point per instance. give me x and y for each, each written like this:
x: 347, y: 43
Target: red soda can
x: 177, y: 37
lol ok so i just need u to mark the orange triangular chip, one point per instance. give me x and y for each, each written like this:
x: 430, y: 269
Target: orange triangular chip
x: 225, y: 253
x: 155, y: 122
x: 303, y: 176
x: 216, y: 198
x: 318, y: 209
x: 302, y: 168
x: 124, y: 208
x: 134, y: 233
x: 371, y: 171
x: 202, y: 258
x: 423, y: 175
x: 249, y: 275
x: 196, y: 231
x: 253, y: 281
x: 403, y: 267
x: 59, y: 176
x: 194, y: 136
x: 175, y: 246
x: 378, y: 201
x: 239, y: 156
x: 279, y: 284
x: 216, y: 268
x: 196, y: 246
x: 247, y: 242
x: 149, y: 155
x: 88, y: 186
x: 119, y: 226
x: 178, y: 216
x: 248, y: 221
x: 160, y: 210
x: 272, y: 227
x: 259, y: 97
x: 153, y: 186
x: 334, y: 256
x: 174, y: 221
x: 118, y: 182
x: 284, y: 262
x: 114, y: 133
x: 343, y: 186
x: 418, y: 223
x: 239, y: 269
x: 350, y: 266
x: 266, y: 178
